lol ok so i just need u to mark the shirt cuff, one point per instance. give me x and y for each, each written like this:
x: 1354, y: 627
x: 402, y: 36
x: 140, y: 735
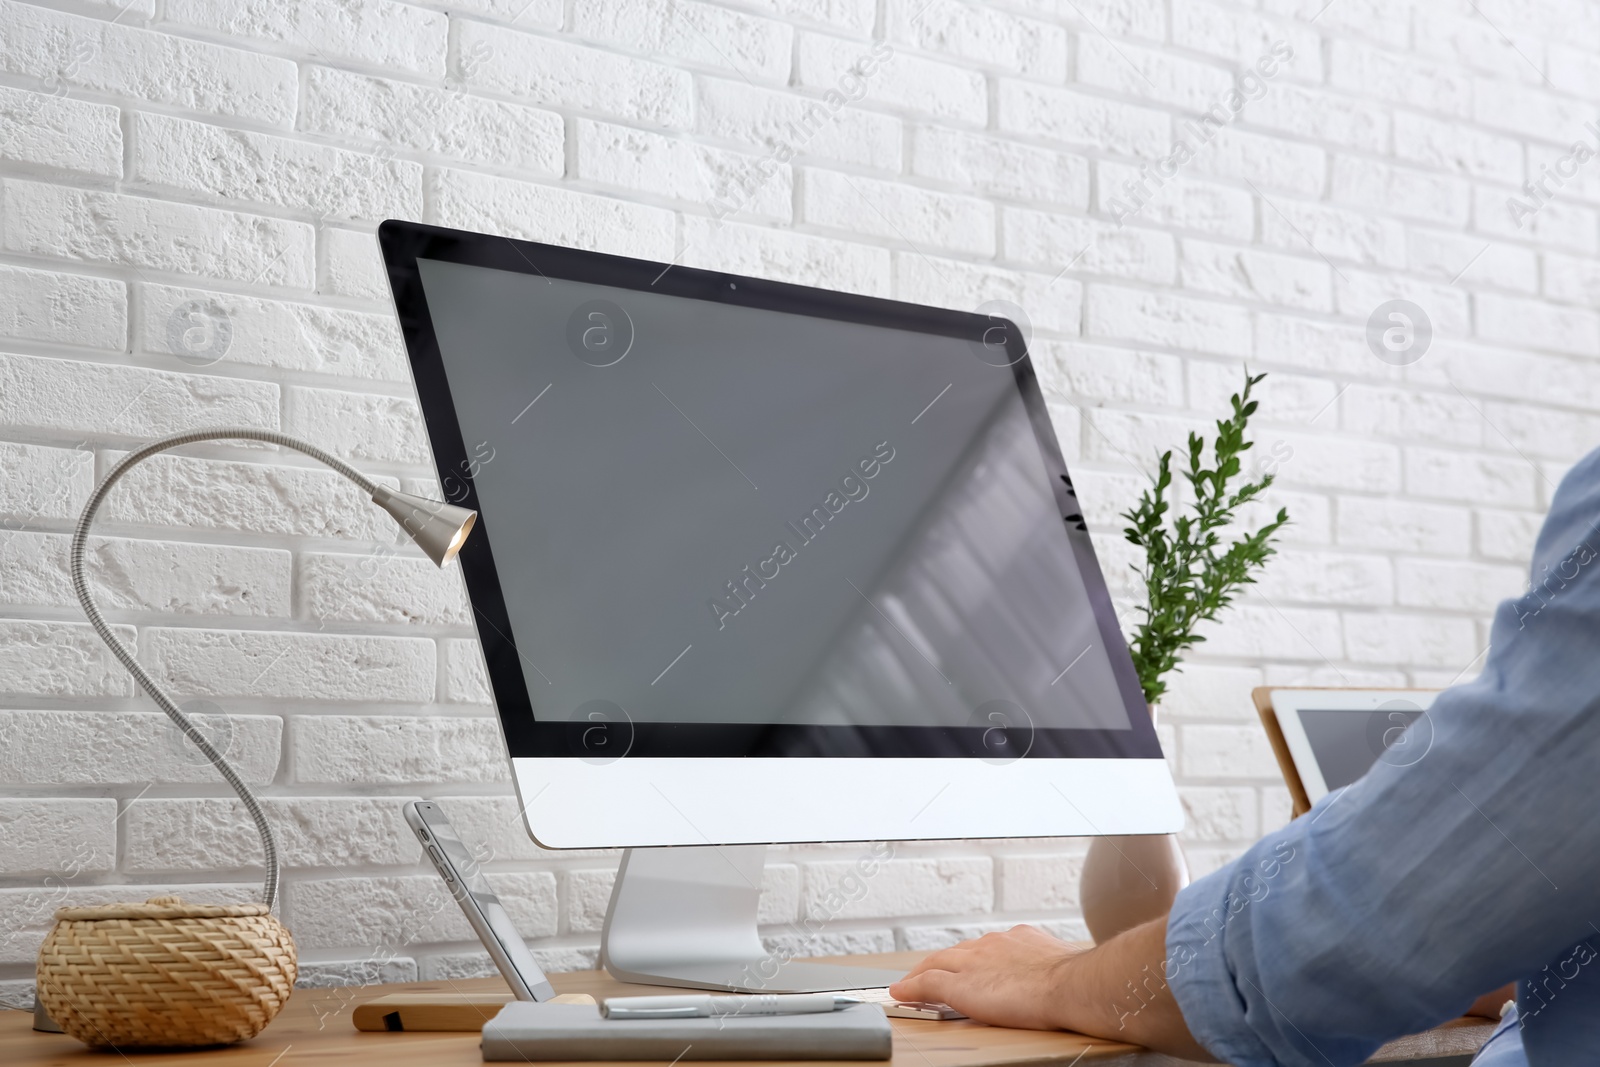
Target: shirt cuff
x: 1201, y: 979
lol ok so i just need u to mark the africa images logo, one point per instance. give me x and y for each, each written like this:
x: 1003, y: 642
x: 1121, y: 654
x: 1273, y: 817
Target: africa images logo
x: 853, y: 488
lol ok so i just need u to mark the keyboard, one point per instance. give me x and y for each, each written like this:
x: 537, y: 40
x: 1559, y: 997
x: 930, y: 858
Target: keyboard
x: 903, y: 1009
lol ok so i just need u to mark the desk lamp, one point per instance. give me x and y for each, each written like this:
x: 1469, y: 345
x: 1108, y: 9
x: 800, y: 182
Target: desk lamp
x: 165, y: 972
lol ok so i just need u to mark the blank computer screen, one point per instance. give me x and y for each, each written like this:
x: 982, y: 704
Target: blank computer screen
x: 705, y: 512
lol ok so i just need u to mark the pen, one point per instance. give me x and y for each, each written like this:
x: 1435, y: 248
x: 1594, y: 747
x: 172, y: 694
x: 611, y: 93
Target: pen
x: 704, y: 1007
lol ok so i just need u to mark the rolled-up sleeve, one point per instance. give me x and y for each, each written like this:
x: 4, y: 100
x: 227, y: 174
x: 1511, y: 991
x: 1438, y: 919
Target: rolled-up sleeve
x: 1395, y: 902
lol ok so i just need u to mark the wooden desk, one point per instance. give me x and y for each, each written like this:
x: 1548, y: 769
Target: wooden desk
x: 315, y: 1029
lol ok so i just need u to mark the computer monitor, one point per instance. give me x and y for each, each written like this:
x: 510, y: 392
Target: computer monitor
x: 759, y: 563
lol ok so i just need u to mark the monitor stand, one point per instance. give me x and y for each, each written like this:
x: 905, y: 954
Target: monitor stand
x: 687, y: 917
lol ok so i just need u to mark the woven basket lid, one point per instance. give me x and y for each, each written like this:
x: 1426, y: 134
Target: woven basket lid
x: 161, y: 908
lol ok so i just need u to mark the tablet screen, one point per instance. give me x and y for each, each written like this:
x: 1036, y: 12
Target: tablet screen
x: 1347, y: 742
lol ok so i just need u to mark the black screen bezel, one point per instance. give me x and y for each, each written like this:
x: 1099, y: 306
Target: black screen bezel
x: 404, y: 243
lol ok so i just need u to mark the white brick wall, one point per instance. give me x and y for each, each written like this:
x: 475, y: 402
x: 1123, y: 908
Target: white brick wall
x: 188, y: 193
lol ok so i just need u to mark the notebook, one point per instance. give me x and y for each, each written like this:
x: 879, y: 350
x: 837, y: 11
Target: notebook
x: 529, y: 1031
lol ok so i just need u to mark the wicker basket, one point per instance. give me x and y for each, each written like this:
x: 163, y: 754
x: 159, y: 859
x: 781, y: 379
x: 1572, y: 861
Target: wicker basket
x: 165, y: 973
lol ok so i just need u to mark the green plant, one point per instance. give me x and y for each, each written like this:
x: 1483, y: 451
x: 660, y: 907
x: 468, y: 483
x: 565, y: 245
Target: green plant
x: 1189, y: 576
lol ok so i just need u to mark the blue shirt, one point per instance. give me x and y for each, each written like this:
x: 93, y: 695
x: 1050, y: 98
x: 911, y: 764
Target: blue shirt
x: 1394, y: 903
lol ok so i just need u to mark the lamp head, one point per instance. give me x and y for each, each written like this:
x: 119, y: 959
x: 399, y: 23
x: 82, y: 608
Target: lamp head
x: 439, y: 529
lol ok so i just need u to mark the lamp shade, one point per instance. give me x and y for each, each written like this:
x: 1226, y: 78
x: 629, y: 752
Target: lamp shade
x: 439, y: 529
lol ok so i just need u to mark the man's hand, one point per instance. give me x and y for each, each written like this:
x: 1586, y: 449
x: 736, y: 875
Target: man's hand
x: 1027, y: 979
x: 1012, y: 979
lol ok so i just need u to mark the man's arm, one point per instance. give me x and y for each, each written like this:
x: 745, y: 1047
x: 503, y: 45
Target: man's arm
x: 1026, y: 978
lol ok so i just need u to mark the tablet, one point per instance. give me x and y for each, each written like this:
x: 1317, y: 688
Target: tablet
x: 1327, y: 738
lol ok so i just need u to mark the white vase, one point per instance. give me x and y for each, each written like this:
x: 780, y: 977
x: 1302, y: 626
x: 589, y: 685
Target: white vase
x: 1129, y: 879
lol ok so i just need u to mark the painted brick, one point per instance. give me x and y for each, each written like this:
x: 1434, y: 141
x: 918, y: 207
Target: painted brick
x: 784, y: 124
x: 930, y: 886
x: 466, y: 680
x: 1088, y: 246
x: 1406, y: 192
x: 1219, y: 813
x: 1328, y: 578
x: 212, y: 834
x: 1102, y: 375
x: 1228, y: 752
x: 358, y: 426
x: 1456, y: 585
x: 1268, y: 162
x: 218, y: 163
x: 349, y: 264
x: 1531, y: 323
x: 1512, y: 214
x: 392, y: 914
x: 118, y: 230
x: 407, y: 590
x: 1040, y: 882
x: 703, y: 177
x: 1149, y: 72
x: 702, y: 34
x: 291, y: 666
x: 1459, y: 147
x: 1052, y: 304
x: 175, y: 491
x: 1181, y: 203
x: 550, y: 72
x: 998, y: 167
x: 1469, y: 477
x: 895, y: 213
x: 396, y: 749
x: 58, y: 133
x: 1411, y: 640
x: 1243, y: 37
x: 1254, y: 631
x: 1411, y: 415
x: 376, y: 32
x: 786, y: 256
x: 1248, y: 274
x: 431, y: 121
x: 1358, y: 68
x: 1072, y: 117
x: 1334, y: 232
x: 147, y: 576
x: 902, y: 80
x: 38, y: 484
x: 1403, y: 526
x: 984, y: 35
x: 1203, y: 691
x: 1169, y: 321
x: 54, y: 394
x: 546, y: 213
x: 98, y: 748
x: 1322, y: 116
x: 70, y: 309
x: 270, y: 333
x: 1507, y: 535
x: 1451, y: 256
x: 60, y: 659
x: 57, y: 836
x: 104, y: 56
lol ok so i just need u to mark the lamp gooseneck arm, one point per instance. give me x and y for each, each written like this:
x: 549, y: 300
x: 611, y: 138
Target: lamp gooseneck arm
x: 80, y: 585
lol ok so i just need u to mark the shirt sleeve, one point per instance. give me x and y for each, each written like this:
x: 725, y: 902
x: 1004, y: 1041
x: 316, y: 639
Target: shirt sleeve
x: 1466, y: 864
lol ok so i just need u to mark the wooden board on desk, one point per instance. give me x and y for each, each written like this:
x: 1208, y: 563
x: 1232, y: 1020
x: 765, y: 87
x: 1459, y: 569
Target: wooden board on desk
x: 316, y: 1028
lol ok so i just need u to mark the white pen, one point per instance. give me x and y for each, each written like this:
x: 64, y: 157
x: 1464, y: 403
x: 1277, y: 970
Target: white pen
x: 704, y: 1007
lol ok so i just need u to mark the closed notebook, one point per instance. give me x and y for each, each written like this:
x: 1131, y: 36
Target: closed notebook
x: 524, y: 1031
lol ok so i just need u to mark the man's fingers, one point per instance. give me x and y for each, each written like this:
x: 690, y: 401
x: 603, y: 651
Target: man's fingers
x: 928, y: 985
x: 948, y: 959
